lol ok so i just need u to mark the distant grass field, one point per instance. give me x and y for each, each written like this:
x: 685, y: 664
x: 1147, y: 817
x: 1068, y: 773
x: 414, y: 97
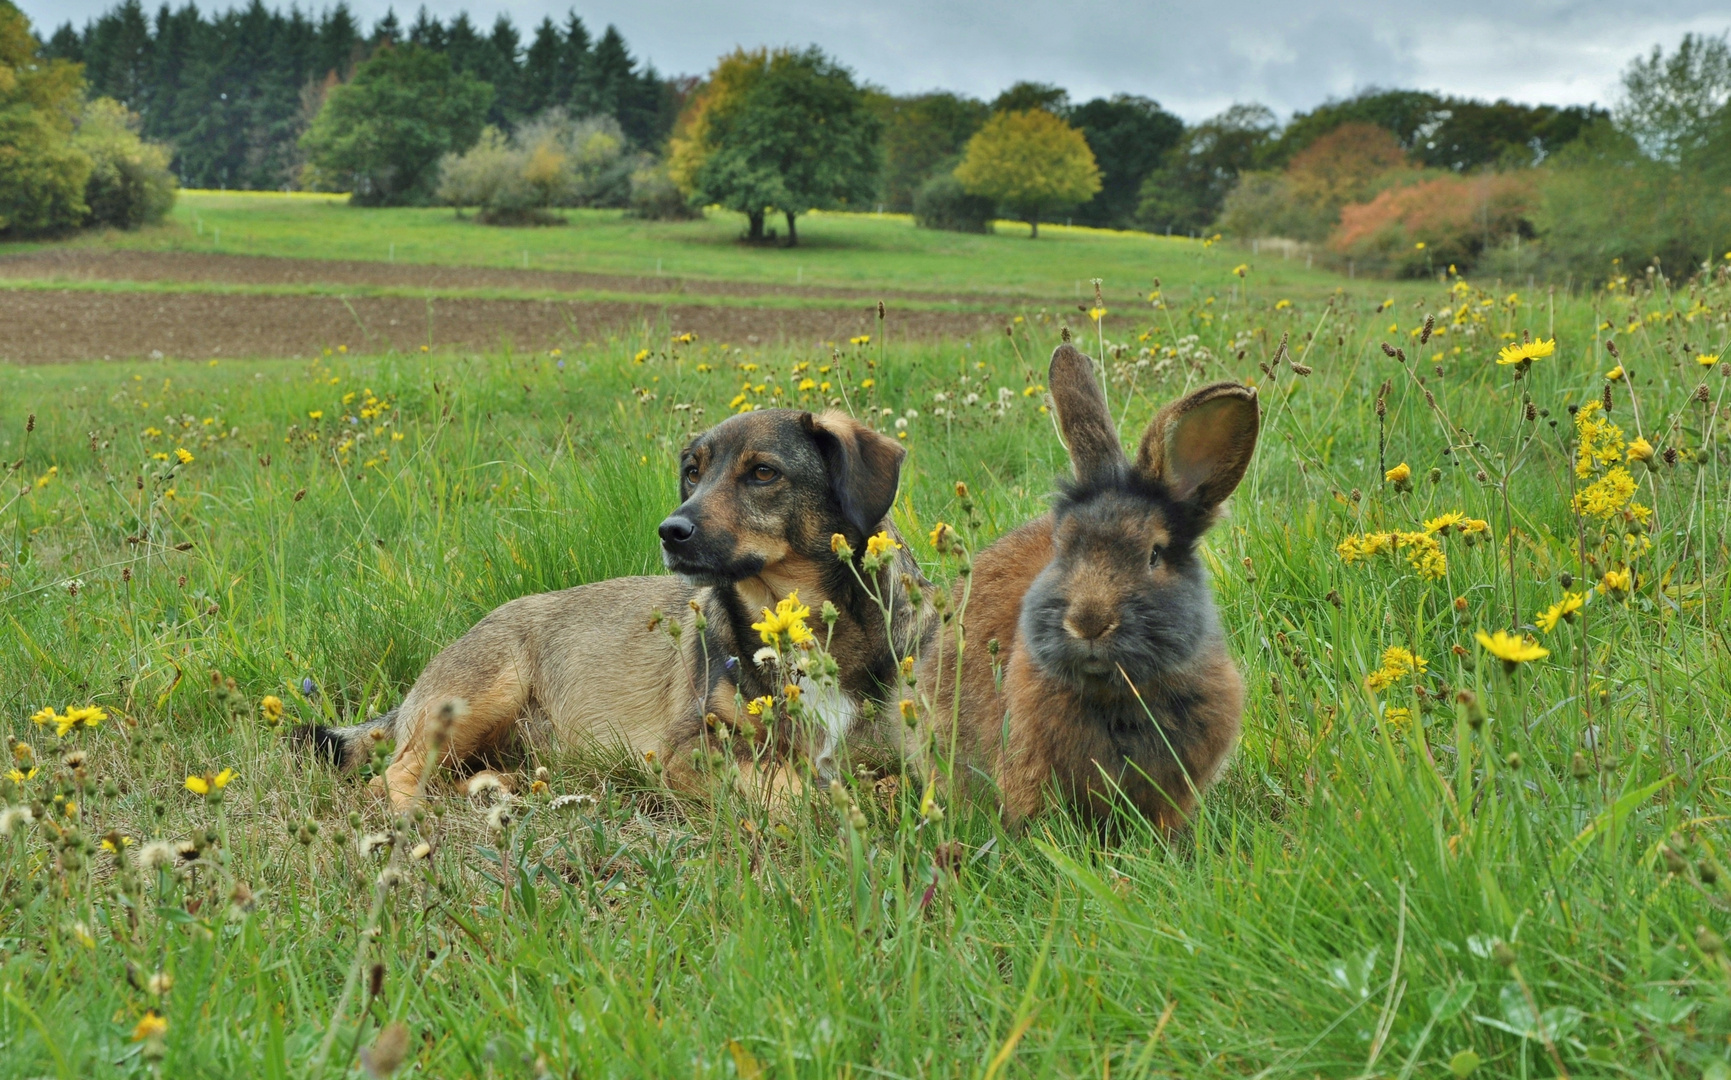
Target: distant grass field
x: 1389, y: 881
x: 855, y: 251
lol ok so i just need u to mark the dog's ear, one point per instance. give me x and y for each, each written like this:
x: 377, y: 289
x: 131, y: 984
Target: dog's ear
x: 865, y: 466
x: 1082, y: 414
x: 1201, y: 444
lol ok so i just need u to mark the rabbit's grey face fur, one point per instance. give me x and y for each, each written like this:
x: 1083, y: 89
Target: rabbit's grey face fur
x: 1125, y: 594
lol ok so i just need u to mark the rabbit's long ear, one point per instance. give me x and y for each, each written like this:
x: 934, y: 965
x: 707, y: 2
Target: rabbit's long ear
x: 1082, y: 414
x: 1201, y: 444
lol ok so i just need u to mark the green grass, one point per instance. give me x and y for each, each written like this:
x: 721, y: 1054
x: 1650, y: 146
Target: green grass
x: 1362, y: 895
x: 855, y: 251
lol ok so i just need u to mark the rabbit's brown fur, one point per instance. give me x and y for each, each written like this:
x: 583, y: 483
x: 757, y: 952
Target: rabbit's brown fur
x: 1102, y: 619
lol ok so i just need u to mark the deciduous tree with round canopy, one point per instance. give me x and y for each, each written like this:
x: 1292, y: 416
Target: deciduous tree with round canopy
x: 783, y: 130
x: 1030, y: 162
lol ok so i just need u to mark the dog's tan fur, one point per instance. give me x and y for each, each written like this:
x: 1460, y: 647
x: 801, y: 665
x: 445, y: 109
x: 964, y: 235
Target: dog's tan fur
x: 596, y: 665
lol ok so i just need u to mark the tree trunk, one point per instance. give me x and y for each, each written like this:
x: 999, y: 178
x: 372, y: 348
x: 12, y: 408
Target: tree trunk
x: 792, y: 236
x: 754, y: 226
x: 1033, y: 226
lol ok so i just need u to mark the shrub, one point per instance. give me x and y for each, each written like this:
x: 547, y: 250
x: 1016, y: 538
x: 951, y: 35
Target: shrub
x: 943, y: 203
x: 654, y: 197
x: 42, y: 175
x: 1411, y: 230
x: 550, y: 162
x: 130, y: 184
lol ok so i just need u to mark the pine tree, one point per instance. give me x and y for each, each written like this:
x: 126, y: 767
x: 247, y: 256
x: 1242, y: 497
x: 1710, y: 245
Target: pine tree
x: 503, y: 69
x: 539, y: 88
x: 339, y: 41
x: 387, y: 31
x: 427, y: 32
x: 575, y: 56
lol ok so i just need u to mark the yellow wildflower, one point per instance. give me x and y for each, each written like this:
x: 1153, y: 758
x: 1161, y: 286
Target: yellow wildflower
x: 1640, y: 450
x: 1511, y: 649
x: 1526, y: 351
x: 1561, y: 611
x: 1443, y: 523
x: 1618, y: 581
x: 880, y: 545
x: 1707, y: 359
x: 760, y: 705
x: 808, y: 384
x: 1606, y: 496
x: 18, y: 776
x: 183, y: 455
x: 788, y: 619
x: 1282, y: 305
x: 1400, y: 474
x: 1399, y: 717
x: 316, y: 414
x: 642, y: 355
x: 271, y: 707
x: 1615, y: 374
x: 150, y: 1026
x: 204, y: 785
x: 862, y: 339
x: 1601, y: 442
x: 1096, y: 313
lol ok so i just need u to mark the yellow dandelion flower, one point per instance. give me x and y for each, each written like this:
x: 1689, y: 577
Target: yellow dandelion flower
x: 868, y: 384
x: 808, y: 384
x: 316, y: 414
x: 642, y: 355
x: 1282, y: 305
x: 880, y: 545
x: 1607, y: 496
x: 1615, y: 374
x: 1562, y: 611
x: 1707, y: 359
x: 1510, y: 648
x: 1618, y: 581
x: 1443, y: 523
x: 204, y: 785
x: 1400, y: 474
x: 1397, y: 715
x: 1525, y: 351
x: 271, y: 707
x: 1640, y: 450
x: 862, y: 339
x: 1241, y: 269
x: 1096, y: 313
x: 150, y: 1026
x: 788, y: 618
x: 760, y: 705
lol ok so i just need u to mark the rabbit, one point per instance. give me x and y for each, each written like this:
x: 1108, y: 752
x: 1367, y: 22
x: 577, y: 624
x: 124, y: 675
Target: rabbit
x: 1095, y: 661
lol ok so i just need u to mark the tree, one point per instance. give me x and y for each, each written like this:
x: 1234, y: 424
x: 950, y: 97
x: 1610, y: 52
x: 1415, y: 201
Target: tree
x: 788, y: 131
x: 1669, y: 103
x: 1022, y: 96
x: 1187, y: 191
x: 387, y: 129
x: 1130, y: 136
x: 42, y: 175
x: 1031, y: 162
x: 923, y: 137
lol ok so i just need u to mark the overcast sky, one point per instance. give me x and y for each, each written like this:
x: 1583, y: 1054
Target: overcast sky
x: 1194, y: 58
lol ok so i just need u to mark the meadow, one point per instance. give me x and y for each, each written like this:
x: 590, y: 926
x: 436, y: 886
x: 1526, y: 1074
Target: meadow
x: 1434, y: 853
x: 837, y: 250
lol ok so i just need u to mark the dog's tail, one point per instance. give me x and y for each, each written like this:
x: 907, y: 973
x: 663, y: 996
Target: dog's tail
x: 346, y: 747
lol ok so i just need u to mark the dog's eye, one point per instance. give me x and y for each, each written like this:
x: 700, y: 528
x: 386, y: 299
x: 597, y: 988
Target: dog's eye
x: 763, y: 474
x: 1154, y: 559
x: 691, y: 475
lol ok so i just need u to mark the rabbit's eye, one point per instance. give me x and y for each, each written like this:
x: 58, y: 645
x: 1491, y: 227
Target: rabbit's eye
x: 1154, y: 559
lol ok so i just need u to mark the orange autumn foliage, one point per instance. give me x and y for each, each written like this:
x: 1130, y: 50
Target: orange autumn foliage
x: 1453, y: 217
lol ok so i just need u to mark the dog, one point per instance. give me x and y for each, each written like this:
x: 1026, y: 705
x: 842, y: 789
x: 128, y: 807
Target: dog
x: 776, y: 504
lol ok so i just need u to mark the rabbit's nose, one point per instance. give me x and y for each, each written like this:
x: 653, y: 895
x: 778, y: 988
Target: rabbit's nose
x: 1089, y: 622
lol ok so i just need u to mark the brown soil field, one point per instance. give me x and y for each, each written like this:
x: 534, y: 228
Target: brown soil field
x: 93, y: 264
x: 58, y: 326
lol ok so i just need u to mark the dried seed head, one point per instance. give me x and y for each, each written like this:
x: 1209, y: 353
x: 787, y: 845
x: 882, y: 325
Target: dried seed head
x: 1333, y: 597
x: 1388, y: 350
x: 1611, y: 347
x: 375, y: 980
x: 1429, y: 325
x: 386, y: 1054
x: 1702, y: 395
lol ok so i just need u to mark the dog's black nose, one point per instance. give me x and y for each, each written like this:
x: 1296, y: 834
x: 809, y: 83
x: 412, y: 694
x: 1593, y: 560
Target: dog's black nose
x: 677, y: 530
